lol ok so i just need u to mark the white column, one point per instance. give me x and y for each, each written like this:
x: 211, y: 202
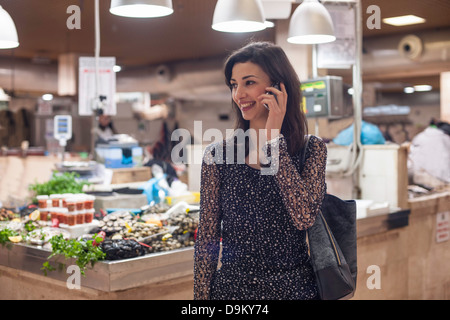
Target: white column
x: 299, y: 55
x: 445, y: 96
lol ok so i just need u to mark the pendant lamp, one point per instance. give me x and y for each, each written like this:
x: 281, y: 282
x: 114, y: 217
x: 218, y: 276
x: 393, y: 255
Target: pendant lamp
x: 8, y: 32
x: 238, y: 16
x: 311, y: 24
x: 141, y: 8
x: 4, y: 96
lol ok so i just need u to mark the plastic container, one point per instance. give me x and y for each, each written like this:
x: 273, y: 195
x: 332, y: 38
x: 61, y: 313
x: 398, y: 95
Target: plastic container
x: 70, y: 205
x: 56, y: 200
x: 62, y: 216
x: 70, y: 217
x: 71, y: 211
x: 80, y: 216
x: 89, y: 202
x: 42, y: 201
x: 79, y: 207
x: 89, y: 215
x: 79, y: 203
x: 65, y: 197
x: 54, y: 213
x: 44, y: 214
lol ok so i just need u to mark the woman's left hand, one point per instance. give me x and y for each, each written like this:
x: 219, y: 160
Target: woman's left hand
x: 277, y: 109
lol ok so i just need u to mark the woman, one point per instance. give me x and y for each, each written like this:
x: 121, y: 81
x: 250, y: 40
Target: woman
x: 260, y: 219
x: 105, y: 129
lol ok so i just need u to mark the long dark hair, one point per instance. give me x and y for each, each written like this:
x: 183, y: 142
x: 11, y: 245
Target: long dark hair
x: 274, y: 62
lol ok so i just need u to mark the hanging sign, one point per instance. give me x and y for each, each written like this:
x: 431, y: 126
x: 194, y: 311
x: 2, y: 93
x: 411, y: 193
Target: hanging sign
x: 443, y: 226
x: 341, y: 53
x: 87, y: 97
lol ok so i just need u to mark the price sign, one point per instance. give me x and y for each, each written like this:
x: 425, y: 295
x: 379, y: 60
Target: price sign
x: 443, y: 226
x: 87, y: 84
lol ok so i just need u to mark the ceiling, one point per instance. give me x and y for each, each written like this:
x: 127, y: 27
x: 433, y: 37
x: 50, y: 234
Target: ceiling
x: 436, y: 13
x: 184, y: 35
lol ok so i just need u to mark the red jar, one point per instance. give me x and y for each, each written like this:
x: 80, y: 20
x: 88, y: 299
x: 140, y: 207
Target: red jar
x: 54, y: 214
x: 89, y: 202
x: 56, y: 200
x: 62, y: 217
x: 89, y: 216
x: 80, y: 217
x: 43, y: 215
x: 71, y: 219
x: 42, y: 201
x: 71, y: 212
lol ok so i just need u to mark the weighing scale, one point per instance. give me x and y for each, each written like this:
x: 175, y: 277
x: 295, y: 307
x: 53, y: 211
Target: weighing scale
x: 62, y: 130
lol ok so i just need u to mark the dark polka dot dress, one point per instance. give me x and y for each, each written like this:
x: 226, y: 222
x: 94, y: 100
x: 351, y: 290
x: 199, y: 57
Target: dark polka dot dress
x: 260, y: 220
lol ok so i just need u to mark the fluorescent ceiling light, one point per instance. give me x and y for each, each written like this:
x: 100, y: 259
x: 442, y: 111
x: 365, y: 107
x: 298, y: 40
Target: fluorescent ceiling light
x: 8, y: 32
x: 47, y: 97
x: 408, y: 90
x: 404, y: 20
x: 238, y: 16
x: 311, y: 24
x: 423, y: 87
x: 141, y: 8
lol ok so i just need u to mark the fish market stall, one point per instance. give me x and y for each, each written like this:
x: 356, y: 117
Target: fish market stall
x: 146, y: 256
x: 163, y: 275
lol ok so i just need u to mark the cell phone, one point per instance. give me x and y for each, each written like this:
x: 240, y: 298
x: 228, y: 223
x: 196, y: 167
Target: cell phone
x: 276, y: 86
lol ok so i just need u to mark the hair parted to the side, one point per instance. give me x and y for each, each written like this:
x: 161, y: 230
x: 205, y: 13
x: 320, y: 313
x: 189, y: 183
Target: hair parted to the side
x: 274, y: 62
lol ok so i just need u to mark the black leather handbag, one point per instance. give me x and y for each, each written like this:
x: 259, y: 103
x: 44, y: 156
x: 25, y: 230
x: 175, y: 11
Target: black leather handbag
x: 332, y: 245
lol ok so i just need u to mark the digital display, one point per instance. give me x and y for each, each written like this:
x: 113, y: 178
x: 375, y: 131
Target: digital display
x: 63, y: 127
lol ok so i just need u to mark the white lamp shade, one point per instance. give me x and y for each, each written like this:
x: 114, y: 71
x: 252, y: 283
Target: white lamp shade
x: 8, y: 32
x: 311, y: 24
x: 238, y: 16
x: 141, y: 8
x: 4, y: 96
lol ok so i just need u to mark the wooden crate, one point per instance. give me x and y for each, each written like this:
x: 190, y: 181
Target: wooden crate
x: 127, y: 175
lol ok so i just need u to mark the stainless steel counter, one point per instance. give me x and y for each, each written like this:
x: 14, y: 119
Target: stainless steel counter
x: 105, y: 276
x: 165, y: 275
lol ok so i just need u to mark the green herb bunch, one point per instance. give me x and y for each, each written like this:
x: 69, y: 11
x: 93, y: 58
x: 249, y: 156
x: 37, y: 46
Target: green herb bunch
x: 84, y: 251
x: 5, y: 234
x: 59, y: 183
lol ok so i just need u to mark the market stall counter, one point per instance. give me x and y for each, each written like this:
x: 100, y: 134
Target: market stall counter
x: 398, y: 261
x: 124, y: 255
x: 163, y: 275
x: 401, y: 255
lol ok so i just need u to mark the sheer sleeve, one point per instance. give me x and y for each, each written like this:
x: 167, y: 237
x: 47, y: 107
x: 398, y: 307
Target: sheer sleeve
x: 207, y: 245
x: 302, y: 194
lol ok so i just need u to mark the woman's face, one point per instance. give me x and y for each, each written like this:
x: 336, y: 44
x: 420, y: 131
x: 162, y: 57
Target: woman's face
x: 104, y: 120
x: 248, y: 82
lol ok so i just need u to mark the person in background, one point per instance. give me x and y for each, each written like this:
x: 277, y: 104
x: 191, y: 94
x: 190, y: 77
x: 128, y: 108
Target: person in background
x: 105, y: 129
x: 160, y: 158
x: 260, y: 220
